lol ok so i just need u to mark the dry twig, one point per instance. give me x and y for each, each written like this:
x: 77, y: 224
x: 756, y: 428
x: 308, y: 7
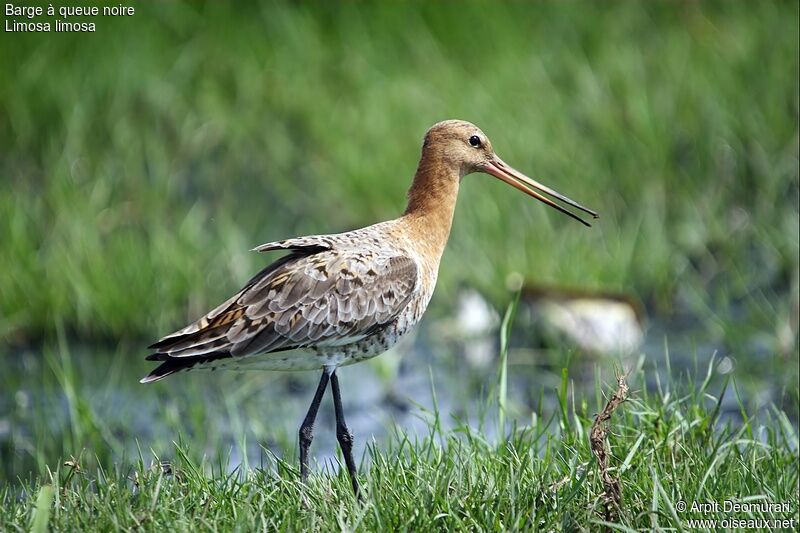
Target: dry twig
x: 612, y: 494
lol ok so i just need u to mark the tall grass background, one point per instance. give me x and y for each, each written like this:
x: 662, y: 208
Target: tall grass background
x: 140, y: 163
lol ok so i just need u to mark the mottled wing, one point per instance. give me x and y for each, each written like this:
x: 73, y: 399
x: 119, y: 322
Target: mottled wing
x: 324, y: 297
x: 309, y: 244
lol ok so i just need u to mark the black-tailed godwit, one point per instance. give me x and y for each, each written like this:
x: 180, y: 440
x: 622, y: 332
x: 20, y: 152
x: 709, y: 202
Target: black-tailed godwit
x: 335, y: 300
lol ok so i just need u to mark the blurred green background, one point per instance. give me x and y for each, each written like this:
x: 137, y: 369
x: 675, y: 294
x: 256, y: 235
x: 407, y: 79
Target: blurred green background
x: 140, y: 163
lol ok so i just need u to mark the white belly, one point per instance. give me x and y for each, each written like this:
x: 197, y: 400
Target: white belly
x: 313, y: 358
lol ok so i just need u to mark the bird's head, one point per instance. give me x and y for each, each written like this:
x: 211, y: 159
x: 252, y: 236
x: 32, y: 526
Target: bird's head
x: 463, y: 147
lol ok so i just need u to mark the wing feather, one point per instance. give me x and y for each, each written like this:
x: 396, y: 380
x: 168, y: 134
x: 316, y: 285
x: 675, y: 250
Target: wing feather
x: 309, y: 244
x: 315, y: 296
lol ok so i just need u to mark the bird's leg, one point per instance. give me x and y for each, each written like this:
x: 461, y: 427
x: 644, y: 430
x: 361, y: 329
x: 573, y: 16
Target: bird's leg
x: 343, y: 434
x: 307, y: 428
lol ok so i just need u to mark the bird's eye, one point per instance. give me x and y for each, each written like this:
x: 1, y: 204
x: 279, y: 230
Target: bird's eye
x: 475, y: 141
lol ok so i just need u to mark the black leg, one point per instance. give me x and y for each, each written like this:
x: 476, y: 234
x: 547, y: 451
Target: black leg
x: 307, y: 429
x: 343, y: 434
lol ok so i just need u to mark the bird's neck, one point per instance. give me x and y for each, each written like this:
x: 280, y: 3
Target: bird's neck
x: 431, y: 204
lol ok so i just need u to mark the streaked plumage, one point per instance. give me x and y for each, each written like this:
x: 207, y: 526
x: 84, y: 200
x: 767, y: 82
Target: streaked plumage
x: 323, y: 304
x: 333, y: 300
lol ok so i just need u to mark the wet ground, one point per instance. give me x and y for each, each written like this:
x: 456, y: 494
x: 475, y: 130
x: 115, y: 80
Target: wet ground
x: 76, y: 395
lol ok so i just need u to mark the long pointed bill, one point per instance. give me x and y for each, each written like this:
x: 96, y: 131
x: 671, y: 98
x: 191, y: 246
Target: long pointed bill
x: 497, y: 168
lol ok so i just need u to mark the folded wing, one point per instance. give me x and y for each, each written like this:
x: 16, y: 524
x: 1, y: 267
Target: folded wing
x: 317, y: 295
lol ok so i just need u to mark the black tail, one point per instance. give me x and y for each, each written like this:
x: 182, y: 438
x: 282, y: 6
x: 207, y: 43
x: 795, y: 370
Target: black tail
x: 172, y: 365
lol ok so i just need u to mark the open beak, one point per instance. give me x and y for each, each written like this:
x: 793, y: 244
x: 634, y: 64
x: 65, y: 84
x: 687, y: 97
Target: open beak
x: 497, y: 168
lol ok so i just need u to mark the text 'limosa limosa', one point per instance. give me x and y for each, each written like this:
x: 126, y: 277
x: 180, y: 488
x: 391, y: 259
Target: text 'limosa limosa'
x: 335, y: 300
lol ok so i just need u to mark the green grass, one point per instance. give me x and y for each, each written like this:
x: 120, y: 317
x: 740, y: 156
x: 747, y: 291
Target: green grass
x: 671, y: 441
x: 137, y: 172
x: 667, y: 446
x: 87, y: 468
x: 140, y: 163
